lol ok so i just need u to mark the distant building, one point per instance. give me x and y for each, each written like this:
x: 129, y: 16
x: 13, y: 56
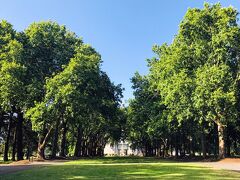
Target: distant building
x: 121, y: 148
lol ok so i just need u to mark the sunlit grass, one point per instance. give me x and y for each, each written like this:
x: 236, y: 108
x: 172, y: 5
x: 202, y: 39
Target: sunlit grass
x: 123, y: 168
x: 4, y: 162
x: 116, y: 160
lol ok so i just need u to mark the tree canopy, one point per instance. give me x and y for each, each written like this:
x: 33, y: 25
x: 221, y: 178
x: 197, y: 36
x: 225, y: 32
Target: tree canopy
x: 55, y: 99
x: 54, y: 85
x: 195, y: 78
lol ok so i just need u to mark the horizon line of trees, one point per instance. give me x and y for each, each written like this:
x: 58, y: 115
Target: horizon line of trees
x: 55, y: 98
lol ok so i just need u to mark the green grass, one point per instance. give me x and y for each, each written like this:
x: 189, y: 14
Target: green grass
x: 122, y: 168
x: 115, y: 160
x: 4, y: 162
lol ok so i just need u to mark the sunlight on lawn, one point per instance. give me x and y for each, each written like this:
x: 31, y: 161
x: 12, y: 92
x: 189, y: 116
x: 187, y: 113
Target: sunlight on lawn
x: 77, y: 177
x: 123, y: 168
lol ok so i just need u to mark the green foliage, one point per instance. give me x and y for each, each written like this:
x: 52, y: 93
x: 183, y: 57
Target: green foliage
x: 200, y: 66
x: 49, y: 75
x: 146, y: 121
x: 195, y: 78
x: 214, y: 95
x: 12, y: 89
x: 47, y: 47
x: 83, y: 95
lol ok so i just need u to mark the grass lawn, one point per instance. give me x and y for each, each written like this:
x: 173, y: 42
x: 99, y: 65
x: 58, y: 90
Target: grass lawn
x: 4, y: 162
x: 122, y: 168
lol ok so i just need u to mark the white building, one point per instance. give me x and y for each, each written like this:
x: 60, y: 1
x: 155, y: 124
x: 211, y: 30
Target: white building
x: 121, y: 148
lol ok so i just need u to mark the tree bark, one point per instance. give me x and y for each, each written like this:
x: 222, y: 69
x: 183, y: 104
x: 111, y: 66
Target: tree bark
x: 176, y: 145
x: 77, y: 151
x: 221, y: 152
x: 40, y: 152
x: 42, y: 144
x: 191, y: 149
x: 159, y: 150
x: 84, y: 147
x: 28, y: 152
x: 55, y: 140
x: 6, y: 147
x: 63, y: 141
x: 20, y: 136
x: 215, y: 140
x: 1, y: 120
x: 14, y: 145
x: 203, y: 143
x: 228, y: 142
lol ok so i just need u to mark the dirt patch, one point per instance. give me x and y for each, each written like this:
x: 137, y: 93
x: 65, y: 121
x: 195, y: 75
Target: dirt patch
x: 232, y: 164
x: 230, y: 160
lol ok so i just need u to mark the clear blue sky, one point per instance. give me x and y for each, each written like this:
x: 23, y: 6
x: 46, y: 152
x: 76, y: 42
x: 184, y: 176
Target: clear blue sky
x: 122, y: 31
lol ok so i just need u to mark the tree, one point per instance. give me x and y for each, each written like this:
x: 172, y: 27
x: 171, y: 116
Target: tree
x: 207, y: 44
x: 12, y: 93
x: 47, y: 48
x: 147, y: 122
x: 12, y: 82
x: 76, y: 94
x: 52, y: 83
x: 214, y: 97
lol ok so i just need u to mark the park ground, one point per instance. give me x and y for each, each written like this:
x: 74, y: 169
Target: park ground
x: 120, y: 168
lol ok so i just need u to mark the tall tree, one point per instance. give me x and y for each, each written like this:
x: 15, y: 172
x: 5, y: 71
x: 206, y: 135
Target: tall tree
x: 207, y: 44
x: 12, y: 93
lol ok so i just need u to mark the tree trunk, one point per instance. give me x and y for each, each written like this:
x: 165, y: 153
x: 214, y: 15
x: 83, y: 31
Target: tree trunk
x: 159, y: 150
x: 14, y: 145
x: 191, y: 147
x: 55, y: 141
x: 42, y: 144
x: 176, y: 152
x: 28, y: 152
x: 193, y: 151
x: 176, y: 145
x: 40, y: 152
x: 167, y: 149
x: 89, y: 148
x: 77, y: 151
x: 228, y: 148
x: 20, y: 136
x: 163, y: 151
x: 6, y: 147
x: 221, y: 152
x: 1, y: 120
x: 203, y: 143
x: 215, y: 140
x: 84, y: 147
x: 63, y: 141
x: 228, y: 142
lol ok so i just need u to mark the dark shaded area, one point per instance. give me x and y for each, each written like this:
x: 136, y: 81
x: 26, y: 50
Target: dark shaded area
x: 12, y: 169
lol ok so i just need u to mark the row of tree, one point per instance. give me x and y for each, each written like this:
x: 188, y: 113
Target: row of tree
x: 190, y: 100
x: 54, y: 94
x: 55, y: 98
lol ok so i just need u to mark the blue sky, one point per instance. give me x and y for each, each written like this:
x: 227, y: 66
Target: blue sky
x: 122, y: 31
